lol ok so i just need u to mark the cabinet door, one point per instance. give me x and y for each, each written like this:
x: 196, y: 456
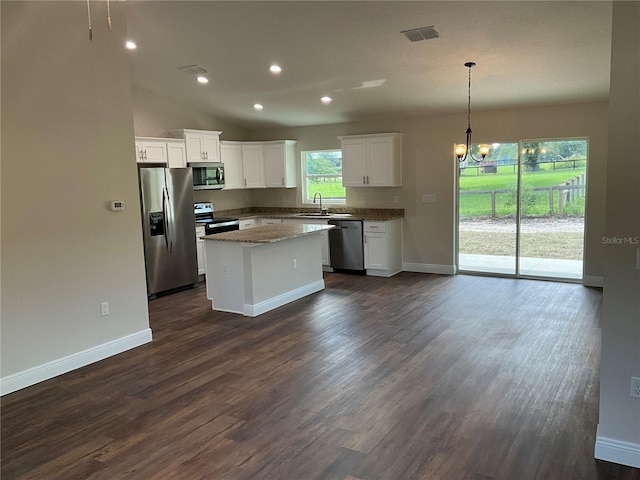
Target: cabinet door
x: 176, y: 155
x: 200, y: 250
x: 280, y: 165
x: 380, y: 161
x: 253, y: 165
x: 231, y: 156
x: 150, y: 151
x: 274, y: 167
x: 195, y: 152
x: 211, y: 147
x: 375, y: 251
x: 354, y: 162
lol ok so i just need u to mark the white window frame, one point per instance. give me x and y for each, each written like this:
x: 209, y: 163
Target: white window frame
x: 303, y: 170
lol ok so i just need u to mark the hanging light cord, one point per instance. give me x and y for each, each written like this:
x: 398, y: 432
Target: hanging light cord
x: 469, y: 103
x: 89, y: 16
x: 108, y: 16
x: 467, y: 152
x: 109, y: 26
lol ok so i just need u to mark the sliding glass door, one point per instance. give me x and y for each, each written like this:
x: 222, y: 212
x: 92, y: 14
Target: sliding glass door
x: 552, y: 205
x: 487, y: 240
x: 521, y: 209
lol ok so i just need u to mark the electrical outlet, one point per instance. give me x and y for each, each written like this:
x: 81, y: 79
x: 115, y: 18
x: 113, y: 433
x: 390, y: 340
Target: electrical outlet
x: 104, y: 309
x: 363, y: 199
x: 635, y: 387
x: 294, y: 263
x: 395, y: 199
x: 224, y: 269
x: 284, y: 199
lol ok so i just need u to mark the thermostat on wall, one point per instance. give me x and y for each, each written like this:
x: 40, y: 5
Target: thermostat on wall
x: 118, y: 206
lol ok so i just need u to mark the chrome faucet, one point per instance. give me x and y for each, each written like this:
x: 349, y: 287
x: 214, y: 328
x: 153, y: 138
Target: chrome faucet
x: 318, y: 194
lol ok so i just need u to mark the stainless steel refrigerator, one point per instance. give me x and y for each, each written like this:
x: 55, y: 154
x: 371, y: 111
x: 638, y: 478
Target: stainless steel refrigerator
x: 168, y: 224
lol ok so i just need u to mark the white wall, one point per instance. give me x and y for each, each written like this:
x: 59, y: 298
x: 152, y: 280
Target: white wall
x: 619, y: 429
x: 67, y: 143
x: 429, y: 167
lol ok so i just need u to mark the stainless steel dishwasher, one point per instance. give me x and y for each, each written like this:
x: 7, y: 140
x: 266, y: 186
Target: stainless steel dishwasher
x: 345, y: 244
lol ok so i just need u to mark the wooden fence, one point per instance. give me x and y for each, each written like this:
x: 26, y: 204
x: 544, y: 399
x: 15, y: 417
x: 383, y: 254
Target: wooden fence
x: 568, y: 191
x: 492, y: 167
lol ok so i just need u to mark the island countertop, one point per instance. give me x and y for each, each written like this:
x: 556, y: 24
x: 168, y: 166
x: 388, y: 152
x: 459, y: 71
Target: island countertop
x: 269, y: 233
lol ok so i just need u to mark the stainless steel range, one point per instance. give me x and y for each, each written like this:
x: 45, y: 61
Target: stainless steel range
x: 204, y: 213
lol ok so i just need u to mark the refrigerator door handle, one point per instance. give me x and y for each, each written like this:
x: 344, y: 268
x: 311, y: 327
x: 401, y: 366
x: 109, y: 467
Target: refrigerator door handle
x: 165, y: 213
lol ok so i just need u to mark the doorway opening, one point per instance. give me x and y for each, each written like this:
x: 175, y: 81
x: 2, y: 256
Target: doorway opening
x: 521, y: 210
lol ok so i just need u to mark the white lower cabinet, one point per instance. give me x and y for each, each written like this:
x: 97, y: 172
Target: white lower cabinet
x: 248, y: 223
x: 383, y: 247
x: 326, y: 259
x: 200, y: 250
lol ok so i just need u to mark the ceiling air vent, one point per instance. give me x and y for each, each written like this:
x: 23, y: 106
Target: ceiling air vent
x: 193, y: 70
x: 423, y: 33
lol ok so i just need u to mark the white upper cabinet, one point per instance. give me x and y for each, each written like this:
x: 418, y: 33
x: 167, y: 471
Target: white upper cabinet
x: 151, y: 150
x: 259, y: 164
x: 280, y: 164
x: 176, y: 153
x: 169, y: 151
x: 372, y: 160
x: 253, y: 165
x: 231, y: 156
x: 202, y: 145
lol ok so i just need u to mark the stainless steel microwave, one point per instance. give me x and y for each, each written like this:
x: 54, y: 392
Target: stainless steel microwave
x: 207, y: 175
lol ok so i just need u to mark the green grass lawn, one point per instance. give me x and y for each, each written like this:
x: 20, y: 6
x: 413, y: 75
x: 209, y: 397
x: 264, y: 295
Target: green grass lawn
x: 562, y: 245
x: 327, y: 189
x: 534, y: 203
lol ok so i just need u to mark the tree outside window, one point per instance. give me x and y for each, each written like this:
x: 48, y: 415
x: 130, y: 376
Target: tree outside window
x: 322, y: 172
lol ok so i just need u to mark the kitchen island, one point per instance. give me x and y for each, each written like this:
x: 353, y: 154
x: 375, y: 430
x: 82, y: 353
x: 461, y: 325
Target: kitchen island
x: 256, y: 270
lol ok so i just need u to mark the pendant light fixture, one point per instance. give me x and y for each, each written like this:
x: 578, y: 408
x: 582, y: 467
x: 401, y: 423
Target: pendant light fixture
x: 463, y: 151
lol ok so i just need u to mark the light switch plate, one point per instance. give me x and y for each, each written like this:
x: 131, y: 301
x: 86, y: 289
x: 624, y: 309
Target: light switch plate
x: 429, y: 198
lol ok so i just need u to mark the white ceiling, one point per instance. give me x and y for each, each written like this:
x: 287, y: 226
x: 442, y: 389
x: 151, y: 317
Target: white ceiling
x: 528, y: 52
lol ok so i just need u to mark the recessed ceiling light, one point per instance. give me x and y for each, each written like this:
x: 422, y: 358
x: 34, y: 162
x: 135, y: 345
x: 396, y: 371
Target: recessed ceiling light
x: 203, y: 79
x: 130, y: 45
x: 275, y: 69
x: 257, y: 106
x: 326, y: 100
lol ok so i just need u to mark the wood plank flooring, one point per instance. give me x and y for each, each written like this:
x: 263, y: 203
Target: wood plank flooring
x: 413, y: 377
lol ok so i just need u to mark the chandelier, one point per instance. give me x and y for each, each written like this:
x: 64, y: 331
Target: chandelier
x: 463, y: 151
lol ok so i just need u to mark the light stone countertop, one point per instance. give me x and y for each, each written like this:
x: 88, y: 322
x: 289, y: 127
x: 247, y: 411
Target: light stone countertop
x: 268, y: 233
x: 336, y: 213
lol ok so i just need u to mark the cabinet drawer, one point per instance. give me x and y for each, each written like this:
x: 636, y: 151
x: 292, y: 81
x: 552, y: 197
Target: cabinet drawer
x: 270, y: 221
x: 375, y: 226
x: 250, y: 223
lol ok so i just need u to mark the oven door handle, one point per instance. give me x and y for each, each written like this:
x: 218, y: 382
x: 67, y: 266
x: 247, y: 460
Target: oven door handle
x: 230, y: 223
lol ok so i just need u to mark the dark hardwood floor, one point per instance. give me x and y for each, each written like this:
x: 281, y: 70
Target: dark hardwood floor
x: 413, y: 377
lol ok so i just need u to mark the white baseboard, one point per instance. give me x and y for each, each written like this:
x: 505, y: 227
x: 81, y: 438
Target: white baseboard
x: 275, y: 302
x: 31, y: 376
x: 429, y: 268
x: 617, y: 451
x: 592, y: 281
